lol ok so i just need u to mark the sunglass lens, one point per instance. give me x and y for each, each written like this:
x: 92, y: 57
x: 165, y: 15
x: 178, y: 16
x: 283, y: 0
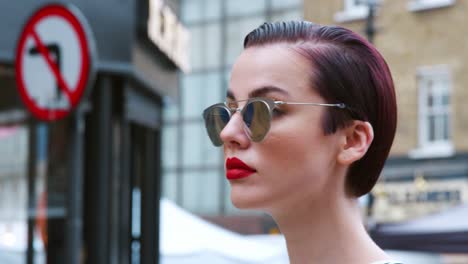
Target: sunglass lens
x: 257, y: 120
x: 216, y: 119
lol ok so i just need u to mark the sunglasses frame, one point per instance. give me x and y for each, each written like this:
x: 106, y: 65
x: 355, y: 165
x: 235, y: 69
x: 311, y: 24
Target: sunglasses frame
x: 270, y: 104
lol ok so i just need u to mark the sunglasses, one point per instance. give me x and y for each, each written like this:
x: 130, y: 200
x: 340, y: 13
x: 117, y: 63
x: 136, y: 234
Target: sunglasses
x: 257, y: 114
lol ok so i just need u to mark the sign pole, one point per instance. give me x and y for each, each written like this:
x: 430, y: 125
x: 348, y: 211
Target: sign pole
x: 75, y: 187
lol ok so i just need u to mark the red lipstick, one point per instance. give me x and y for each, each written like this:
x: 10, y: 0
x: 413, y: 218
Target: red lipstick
x: 237, y: 169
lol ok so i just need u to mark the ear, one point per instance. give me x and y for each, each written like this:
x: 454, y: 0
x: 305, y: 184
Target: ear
x: 356, y: 140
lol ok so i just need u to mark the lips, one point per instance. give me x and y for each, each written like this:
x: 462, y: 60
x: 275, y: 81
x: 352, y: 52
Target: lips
x: 237, y: 169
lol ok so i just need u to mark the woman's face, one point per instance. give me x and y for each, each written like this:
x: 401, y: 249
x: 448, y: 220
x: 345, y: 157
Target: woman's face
x: 295, y: 161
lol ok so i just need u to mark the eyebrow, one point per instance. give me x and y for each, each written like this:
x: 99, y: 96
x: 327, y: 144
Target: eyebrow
x: 262, y: 91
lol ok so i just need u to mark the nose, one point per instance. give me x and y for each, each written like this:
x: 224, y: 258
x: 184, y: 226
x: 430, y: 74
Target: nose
x: 233, y: 134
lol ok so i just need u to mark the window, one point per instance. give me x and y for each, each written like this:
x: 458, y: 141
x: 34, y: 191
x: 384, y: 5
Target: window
x: 196, y: 11
x: 283, y: 15
x: 353, y: 10
x: 212, y: 9
x: 236, y: 31
x: 245, y: 7
x: 205, y: 46
x: 282, y: 4
x: 192, y: 11
x: 192, y: 93
x: 170, y: 110
x: 434, y: 113
x: 212, y: 46
x: 192, y: 166
x: 169, y: 146
x: 198, y: 91
x: 421, y: 5
x: 201, y: 191
x: 192, y: 136
x: 169, y: 189
x: 196, y: 47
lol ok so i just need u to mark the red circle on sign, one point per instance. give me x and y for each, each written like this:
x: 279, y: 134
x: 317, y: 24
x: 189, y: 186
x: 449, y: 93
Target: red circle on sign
x: 73, y: 95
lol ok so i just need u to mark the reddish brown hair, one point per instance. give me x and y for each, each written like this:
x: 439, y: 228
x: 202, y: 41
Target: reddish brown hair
x: 347, y: 69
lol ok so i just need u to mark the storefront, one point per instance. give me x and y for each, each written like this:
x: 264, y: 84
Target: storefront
x: 411, y: 189
x: 85, y: 188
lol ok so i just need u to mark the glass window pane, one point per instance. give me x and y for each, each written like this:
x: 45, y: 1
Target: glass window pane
x: 192, y: 138
x: 190, y: 189
x: 136, y: 211
x: 236, y: 32
x: 445, y: 99
x: 169, y: 185
x: 212, y: 9
x: 287, y: 15
x: 430, y: 85
x: 192, y: 10
x: 191, y: 92
x: 213, y: 90
x: 214, y: 93
x: 278, y: 4
x: 226, y: 79
x: 432, y: 127
x: 212, y: 155
x: 437, y: 91
x: 439, y: 123
x: 196, y: 47
x: 446, y: 134
x: 430, y: 100
x: 210, y: 192
x: 200, y: 91
x: 201, y: 192
x: 442, y: 126
x: 212, y: 46
x: 169, y: 146
x: 243, y: 7
x: 171, y: 110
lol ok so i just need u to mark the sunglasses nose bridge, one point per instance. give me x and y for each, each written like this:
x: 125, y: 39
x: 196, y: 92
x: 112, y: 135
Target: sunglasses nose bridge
x: 235, y: 110
x: 234, y: 127
x: 236, y: 113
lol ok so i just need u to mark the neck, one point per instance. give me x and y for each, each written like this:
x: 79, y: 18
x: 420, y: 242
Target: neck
x: 327, y: 232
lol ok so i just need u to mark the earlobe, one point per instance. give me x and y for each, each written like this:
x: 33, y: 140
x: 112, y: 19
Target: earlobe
x: 357, y: 139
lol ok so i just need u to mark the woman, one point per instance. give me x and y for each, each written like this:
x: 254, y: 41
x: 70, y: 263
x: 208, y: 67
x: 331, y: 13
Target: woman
x: 308, y: 122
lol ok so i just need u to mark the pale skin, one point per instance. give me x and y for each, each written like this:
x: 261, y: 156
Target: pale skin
x: 300, y: 171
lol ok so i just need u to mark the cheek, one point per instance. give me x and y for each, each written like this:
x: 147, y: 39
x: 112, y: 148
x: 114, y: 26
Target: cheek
x: 299, y: 139
x: 294, y: 152
x: 300, y: 153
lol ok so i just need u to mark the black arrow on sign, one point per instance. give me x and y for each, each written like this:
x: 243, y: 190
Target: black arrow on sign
x: 55, y: 50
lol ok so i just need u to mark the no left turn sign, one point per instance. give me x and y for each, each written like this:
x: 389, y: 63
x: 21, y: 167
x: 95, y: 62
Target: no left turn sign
x: 54, y: 61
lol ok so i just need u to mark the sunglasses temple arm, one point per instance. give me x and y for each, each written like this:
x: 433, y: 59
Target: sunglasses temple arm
x: 339, y: 105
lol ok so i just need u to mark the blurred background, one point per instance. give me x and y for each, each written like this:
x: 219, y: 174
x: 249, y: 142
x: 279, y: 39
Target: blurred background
x: 86, y: 188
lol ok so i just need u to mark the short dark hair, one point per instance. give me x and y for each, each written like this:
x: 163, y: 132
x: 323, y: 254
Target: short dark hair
x: 346, y: 69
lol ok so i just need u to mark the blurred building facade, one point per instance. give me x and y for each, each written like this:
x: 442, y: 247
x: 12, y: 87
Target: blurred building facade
x: 193, y: 169
x: 86, y: 188
x: 423, y: 43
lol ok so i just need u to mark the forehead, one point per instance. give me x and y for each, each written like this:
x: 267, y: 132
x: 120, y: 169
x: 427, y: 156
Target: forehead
x: 275, y: 65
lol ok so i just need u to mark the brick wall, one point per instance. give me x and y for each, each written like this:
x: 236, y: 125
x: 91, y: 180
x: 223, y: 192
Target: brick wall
x: 409, y: 40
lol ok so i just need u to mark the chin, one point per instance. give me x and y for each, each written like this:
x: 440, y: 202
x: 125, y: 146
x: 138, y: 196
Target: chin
x: 245, y: 200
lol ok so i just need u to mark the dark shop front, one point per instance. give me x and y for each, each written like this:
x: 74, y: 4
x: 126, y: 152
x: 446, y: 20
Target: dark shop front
x: 81, y: 91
